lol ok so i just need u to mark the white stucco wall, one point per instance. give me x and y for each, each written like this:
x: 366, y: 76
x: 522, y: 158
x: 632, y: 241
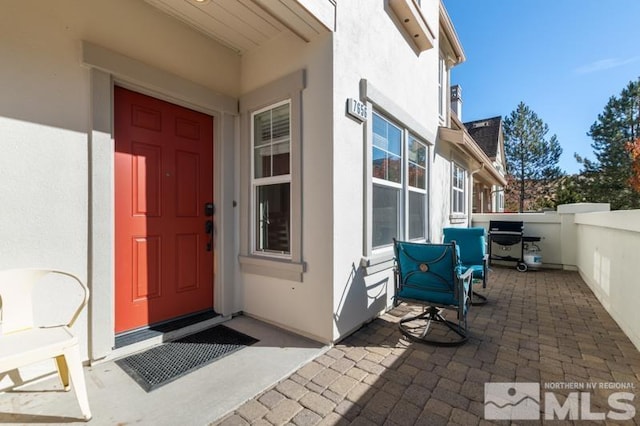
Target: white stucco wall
x: 45, y: 119
x: 440, y: 194
x: 608, y: 252
x: 303, y: 307
x: 45, y: 114
x: 370, y: 44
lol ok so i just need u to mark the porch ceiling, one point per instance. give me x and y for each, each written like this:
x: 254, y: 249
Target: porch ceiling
x: 243, y: 25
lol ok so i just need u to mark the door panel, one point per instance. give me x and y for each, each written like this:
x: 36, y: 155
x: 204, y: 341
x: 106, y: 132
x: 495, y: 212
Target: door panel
x: 187, y: 261
x: 146, y: 268
x: 163, y: 178
x: 145, y: 183
x: 187, y: 180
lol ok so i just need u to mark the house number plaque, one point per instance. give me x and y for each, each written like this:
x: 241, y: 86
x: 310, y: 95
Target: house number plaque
x: 357, y: 109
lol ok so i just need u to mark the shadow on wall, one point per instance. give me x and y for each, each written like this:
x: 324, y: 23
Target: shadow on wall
x: 602, y: 272
x: 363, y: 298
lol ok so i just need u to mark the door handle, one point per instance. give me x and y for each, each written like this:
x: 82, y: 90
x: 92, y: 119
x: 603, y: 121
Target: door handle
x: 208, y: 228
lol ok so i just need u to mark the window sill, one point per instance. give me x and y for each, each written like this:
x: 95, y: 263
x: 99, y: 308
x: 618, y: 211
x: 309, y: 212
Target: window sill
x: 377, y: 262
x: 458, y: 218
x: 271, y: 267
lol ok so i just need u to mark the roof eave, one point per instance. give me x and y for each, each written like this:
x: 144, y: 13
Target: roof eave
x: 461, y: 138
x: 446, y: 26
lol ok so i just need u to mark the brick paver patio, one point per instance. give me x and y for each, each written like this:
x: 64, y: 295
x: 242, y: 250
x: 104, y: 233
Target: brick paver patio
x: 541, y: 326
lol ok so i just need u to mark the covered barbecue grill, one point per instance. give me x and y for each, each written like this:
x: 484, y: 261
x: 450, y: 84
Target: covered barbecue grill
x: 506, y: 243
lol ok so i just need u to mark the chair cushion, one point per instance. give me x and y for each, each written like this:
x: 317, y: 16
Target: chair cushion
x: 428, y: 272
x: 478, y: 270
x: 471, y: 241
x: 445, y: 299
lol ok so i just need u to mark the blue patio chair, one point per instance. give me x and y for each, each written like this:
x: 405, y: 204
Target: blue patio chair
x: 473, y: 254
x: 431, y: 276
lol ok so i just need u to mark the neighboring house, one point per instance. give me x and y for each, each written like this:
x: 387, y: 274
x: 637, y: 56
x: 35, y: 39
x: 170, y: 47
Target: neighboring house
x: 253, y: 156
x: 488, y: 135
x: 470, y: 166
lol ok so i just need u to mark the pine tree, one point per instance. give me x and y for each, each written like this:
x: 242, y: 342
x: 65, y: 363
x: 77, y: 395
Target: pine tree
x: 569, y: 190
x: 530, y: 156
x: 608, y: 177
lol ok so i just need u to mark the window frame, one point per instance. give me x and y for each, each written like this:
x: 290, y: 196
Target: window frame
x: 403, y: 187
x: 417, y: 190
x: 456, y: 190
x: 442, y: 88
x: 290, y: 267
x: 266, y: 181
x: 499, y: 199
x: 385, y: 183
x: 379, y: 101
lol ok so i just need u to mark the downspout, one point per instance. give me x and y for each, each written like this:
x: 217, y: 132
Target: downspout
x: 470, y: 201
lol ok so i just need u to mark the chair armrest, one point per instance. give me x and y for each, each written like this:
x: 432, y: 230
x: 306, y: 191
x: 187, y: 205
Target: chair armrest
x: 466, y: 274
x: 464, y: 283
x: 485, y: 267
x: 85, y: 293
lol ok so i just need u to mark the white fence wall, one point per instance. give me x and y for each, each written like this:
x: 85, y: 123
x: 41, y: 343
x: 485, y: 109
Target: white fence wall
x: 608, y: 253
x: 603, y: 246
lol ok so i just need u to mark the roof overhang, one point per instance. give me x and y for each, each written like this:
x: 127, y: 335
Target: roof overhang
x: 244, y: 25
x: 414, y: 23
x: 463, y: 140
x: 453, y: 47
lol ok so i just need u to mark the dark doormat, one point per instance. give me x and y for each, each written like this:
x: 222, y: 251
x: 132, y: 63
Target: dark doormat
x: 165, y: 363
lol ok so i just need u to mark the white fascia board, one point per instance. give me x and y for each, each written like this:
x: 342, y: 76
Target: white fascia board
x: 324, y: 11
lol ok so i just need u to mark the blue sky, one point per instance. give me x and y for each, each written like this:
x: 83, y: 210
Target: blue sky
x: 563, y: 58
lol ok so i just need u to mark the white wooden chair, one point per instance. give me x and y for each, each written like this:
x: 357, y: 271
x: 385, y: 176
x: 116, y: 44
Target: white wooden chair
x: 23, y: 343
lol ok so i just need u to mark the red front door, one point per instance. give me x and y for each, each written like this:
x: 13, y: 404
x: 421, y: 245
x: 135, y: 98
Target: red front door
x: 163, y: 179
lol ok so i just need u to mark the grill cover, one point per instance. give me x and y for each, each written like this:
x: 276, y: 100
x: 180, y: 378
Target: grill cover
x: 504, y: 226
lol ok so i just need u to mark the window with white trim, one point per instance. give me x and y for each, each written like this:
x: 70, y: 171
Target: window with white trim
x: 417, y: 189
x: 399, y: 184
x: 271, y: 179
x: 458, y: 189
x: 442, y: 88
x: 499, y: 199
